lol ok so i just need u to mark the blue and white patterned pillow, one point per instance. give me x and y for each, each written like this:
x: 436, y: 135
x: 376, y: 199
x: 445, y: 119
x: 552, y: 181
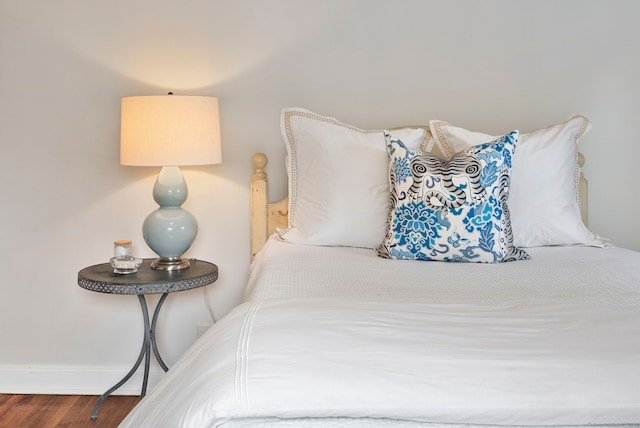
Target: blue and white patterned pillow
x: 453, y: 210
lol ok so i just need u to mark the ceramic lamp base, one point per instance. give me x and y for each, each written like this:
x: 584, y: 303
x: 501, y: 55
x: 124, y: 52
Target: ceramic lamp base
x: 169, y: 231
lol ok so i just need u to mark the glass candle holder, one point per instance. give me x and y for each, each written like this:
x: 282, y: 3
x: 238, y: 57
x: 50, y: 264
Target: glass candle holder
x: 122, y: 261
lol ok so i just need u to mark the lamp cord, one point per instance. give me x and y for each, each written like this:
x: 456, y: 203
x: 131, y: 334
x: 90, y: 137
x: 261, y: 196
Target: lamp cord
x: 208, y: 303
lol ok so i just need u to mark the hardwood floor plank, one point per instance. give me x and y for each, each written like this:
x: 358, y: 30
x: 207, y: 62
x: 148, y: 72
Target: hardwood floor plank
x: 47, y: 411
x: 80, y: 414
x: 62, y: 411
x: 112, y: 411
x: 14, y: 410
x: 5, y: 406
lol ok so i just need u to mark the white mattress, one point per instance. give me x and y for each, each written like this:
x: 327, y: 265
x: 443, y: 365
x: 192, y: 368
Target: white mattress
x: 553, y: 341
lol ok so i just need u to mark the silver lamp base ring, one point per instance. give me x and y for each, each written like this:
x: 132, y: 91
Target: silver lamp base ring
x: 170, y: 263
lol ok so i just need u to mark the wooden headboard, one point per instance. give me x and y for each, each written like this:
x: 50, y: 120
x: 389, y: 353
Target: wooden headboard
x: 267, y: 217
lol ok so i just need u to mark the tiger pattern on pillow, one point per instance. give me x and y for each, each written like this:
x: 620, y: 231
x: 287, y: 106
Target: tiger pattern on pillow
x: 446, y: 184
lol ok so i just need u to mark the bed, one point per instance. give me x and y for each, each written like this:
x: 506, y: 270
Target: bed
x: 502, y: 309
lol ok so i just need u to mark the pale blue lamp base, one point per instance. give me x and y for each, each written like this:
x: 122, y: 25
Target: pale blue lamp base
x: 169, y: 231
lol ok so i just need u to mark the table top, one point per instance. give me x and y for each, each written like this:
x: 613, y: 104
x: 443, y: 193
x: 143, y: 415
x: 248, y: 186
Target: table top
x: 102, y: 279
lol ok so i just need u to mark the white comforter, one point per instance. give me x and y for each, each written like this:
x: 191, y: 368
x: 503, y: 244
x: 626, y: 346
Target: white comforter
x: 528, y: 359
x: 554, y: 274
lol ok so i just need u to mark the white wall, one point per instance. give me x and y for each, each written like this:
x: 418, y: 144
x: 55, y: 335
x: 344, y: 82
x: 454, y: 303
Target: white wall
x: 489, y: 65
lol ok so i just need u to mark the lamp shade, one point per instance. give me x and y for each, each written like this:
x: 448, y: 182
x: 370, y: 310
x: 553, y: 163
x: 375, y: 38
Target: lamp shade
x: 170, y: 130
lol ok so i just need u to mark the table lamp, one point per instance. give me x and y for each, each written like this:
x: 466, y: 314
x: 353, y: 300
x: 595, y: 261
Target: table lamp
x: 170, y: 131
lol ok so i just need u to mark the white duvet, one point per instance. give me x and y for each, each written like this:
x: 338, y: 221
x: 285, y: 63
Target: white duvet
x: 431, y: 353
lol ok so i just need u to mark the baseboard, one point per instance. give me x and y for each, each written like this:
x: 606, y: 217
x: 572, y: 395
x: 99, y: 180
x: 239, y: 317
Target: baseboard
x: 72, y: 380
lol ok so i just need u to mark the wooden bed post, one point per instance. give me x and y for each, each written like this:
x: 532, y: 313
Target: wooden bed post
x: 259, y: 202
x: 266, y: 217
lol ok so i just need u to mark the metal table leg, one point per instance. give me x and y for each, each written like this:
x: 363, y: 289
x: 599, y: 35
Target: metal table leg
x: 152, y: 333
x: 148, y: 342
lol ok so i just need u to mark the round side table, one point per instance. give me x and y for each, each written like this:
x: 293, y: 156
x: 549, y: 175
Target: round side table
x: 102, y: 279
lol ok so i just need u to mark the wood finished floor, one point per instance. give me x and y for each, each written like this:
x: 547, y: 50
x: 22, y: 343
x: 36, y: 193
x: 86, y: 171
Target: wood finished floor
x: 67, y: 411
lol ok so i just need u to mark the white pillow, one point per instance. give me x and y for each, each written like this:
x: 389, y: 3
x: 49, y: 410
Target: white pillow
x: 338, y: 179
x: 544, y: 198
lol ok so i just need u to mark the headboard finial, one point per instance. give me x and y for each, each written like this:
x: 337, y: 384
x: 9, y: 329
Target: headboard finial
x: 259, y: 161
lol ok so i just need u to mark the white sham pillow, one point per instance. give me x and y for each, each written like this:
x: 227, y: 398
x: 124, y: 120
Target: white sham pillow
x: 544, y: 198
x: 338, y: 179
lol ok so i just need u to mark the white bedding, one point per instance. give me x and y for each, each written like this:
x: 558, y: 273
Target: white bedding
x: 571, y: 274
x: 553, y: 341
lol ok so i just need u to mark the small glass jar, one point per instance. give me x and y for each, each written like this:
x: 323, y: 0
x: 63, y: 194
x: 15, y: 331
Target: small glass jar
x: 121, y: 247
x: 122, y: 261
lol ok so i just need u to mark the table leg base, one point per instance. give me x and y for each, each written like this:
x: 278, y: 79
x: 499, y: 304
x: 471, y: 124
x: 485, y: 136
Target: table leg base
x: 148, y: 345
